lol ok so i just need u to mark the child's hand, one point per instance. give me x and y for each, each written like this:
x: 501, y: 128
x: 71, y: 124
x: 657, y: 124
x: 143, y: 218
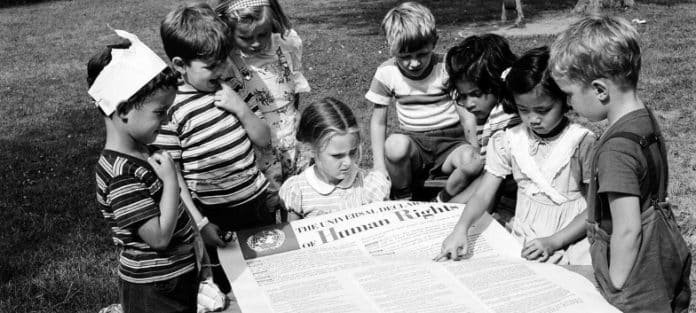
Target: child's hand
x: 229, y: 100
x: 164, y: 167
x: 540, y: 249
x: 455, y: 246
x: 211, y: 235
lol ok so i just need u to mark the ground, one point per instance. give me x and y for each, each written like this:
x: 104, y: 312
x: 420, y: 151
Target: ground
x: 57, y: 255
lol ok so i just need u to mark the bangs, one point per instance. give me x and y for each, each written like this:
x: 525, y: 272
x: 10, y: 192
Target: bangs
x: 408, y: 44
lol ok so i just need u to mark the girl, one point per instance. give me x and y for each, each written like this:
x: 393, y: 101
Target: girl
x: 334, y: 182
x: 474, y: 67
x: 549, y: 158
x: 268, y: 59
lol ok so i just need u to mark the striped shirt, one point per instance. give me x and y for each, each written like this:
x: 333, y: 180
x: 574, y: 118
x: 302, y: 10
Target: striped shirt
x: 212, y: 146
x: 128, y: 195
x: 421, y: 105
x: 497, y: 120
x: 306, y: 195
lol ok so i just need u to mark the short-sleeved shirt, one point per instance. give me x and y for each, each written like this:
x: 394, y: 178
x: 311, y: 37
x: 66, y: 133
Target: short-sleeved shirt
x: 306, y: 195
x: 621, y: 164
x: 421, y: 105
x: 212, y: 146
x: 128, y: 195
x: 497, y: 120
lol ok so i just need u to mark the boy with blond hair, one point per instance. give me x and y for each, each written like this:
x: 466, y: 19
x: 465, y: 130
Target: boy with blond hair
x: 138, y: 191
x: 436, y: 136
x: 641, y: 261
x: 212, y: 130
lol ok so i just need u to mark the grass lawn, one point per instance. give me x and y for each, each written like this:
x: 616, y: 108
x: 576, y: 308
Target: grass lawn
x: 56, y: 254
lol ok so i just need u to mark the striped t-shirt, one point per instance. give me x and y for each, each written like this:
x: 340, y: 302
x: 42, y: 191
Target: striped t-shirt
x: 128, y: 195
x: 497, y: 120
x: 212, y: 146
x: 306, y: 195
x: 421, y: 105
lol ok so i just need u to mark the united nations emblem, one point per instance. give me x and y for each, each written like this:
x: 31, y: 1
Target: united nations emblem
x: 266, y: 240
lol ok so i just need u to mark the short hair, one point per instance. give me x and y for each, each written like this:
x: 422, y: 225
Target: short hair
x: 254, y: 16
x: 194, y: 31
x: 323, y: 119
x: 480, y: 60
x: 409, y: 27
x: 528, y: 72
x: 168, y: 78
x: 598, y: 47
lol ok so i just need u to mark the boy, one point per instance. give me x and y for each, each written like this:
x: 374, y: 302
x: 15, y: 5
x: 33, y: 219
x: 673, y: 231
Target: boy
x: 137, y: 189
x: 641, y: 262
x: 212, y: 130
x: 436, y: 136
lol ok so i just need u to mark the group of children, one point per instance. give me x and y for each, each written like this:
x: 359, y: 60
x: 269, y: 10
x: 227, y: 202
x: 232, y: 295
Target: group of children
x: 215, y: 142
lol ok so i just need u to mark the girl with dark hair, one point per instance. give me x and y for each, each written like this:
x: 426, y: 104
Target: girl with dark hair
x: 548, y: 156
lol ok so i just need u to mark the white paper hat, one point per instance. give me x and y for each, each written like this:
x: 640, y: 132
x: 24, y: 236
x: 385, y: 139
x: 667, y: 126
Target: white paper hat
x: 129, y: 70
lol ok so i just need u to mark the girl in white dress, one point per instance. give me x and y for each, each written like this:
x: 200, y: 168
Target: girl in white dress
x: 549, y: 158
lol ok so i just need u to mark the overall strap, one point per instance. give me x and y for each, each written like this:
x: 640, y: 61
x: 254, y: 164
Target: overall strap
x: 655, y: 175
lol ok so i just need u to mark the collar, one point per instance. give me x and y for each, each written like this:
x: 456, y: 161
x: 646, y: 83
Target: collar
x: 324, y: 188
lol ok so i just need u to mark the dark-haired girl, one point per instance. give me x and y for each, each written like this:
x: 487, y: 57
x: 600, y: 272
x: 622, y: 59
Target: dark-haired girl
x: 549, y: 158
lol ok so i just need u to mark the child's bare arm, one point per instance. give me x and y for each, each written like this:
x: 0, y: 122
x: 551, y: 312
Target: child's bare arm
x: 543, y: 248
x: 210, y: 232
x: 158, y: 231
x: 378, y: 133
x: 468, y: 121
x: 455, y: 245
x: 258, y: 131
x: 625, y: 236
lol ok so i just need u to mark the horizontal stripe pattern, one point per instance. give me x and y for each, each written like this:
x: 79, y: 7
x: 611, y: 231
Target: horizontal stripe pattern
x: 421, y: 105
x: 497, y: 120
x: 300, y: 197
x: 215, y: 153
x: 128, y: 195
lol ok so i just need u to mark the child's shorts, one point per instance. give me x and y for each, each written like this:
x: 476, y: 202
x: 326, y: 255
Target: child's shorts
x: 433, y: 148
x: 178, y: 294
x: 251, y: 214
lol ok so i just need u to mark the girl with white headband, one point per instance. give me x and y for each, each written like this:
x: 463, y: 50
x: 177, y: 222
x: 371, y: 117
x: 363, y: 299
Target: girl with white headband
x: 268, y: 59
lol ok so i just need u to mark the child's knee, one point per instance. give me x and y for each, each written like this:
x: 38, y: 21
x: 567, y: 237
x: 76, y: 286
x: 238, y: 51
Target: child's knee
x: 397, y: 147
x: 467, y: 159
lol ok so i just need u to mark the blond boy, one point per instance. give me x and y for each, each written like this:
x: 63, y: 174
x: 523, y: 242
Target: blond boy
x: 435, y: 135
x: 641, y: 262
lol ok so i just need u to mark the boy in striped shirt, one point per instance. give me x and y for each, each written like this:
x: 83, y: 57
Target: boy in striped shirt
x: 212, y: 131
x: 137, y: 188
x: 436, y: 136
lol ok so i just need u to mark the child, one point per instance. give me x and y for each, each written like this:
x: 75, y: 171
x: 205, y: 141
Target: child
x: 212, y: 129
x: 436, y: 136
x: 641, y: 261
x: 137, y: 189
x: 334, y: 182
x: 475, y: 66
x: 268, y: 56
x: 547, y: 155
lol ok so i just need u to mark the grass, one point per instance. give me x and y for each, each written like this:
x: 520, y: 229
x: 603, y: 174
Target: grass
x: 56, y: 250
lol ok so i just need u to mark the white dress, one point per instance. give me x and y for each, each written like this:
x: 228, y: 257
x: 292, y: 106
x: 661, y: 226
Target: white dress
x: 549, y: 175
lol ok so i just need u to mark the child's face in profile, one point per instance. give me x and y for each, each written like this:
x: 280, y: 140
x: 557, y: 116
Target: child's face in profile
x: 414, y: 63
x: 539, y: 111
x: 143, y: 124
x: 204, y: 75
x: 335, y: 161
x: 251, y: 39
x: 582, y: 99
x: 474, y: 100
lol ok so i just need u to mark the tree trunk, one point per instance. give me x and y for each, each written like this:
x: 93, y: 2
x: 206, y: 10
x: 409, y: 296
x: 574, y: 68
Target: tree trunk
x: 595, y: 6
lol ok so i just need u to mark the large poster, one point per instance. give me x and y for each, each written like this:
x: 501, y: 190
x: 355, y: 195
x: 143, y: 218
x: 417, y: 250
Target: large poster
x: 378, y: 258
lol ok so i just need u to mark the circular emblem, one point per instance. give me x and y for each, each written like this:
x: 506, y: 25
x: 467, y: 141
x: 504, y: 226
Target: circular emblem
x: 266, y: 240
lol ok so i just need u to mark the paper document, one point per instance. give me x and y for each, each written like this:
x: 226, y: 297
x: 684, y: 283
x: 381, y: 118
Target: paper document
x: 378, y: 258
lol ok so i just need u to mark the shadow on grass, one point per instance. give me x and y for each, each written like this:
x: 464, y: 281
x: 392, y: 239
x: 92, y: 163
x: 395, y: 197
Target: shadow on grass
x: 17, y: 3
